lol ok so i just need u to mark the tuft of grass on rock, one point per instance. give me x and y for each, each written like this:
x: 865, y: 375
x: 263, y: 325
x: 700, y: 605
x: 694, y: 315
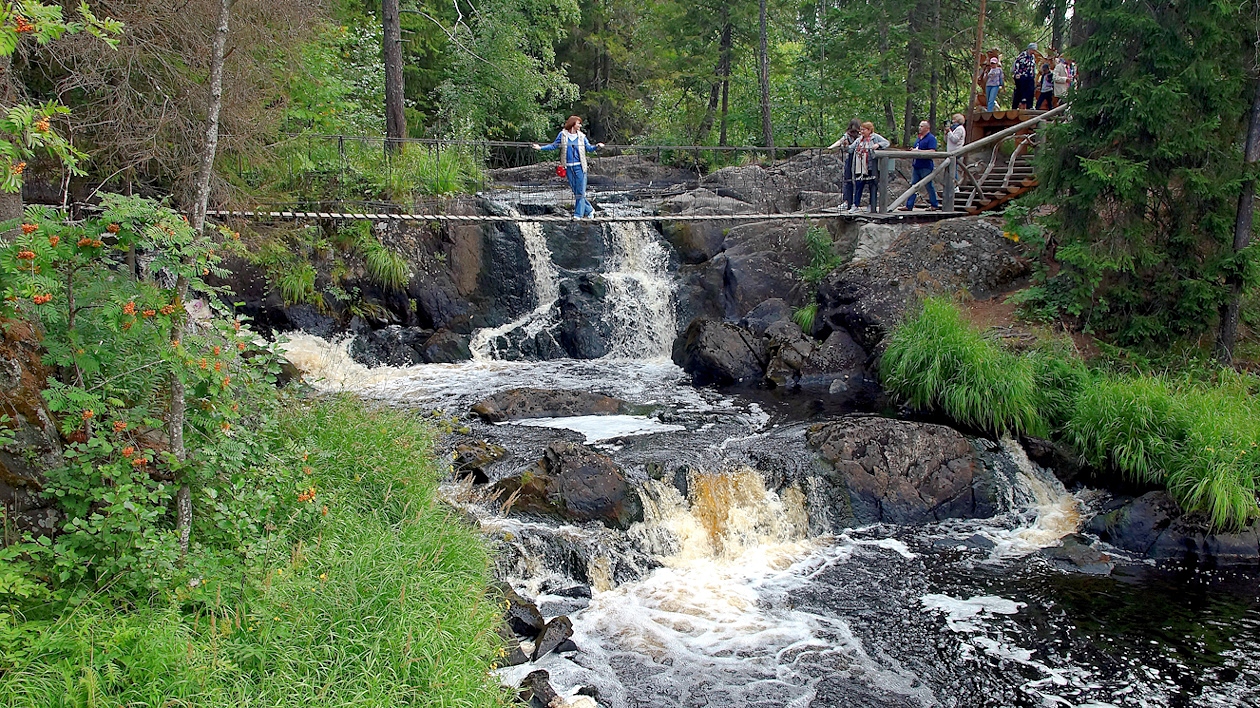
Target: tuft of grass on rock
x: 936, y: 361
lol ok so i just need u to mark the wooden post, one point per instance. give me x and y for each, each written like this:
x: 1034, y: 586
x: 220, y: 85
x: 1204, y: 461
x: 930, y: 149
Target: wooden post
x: 885, y: 166
x: 947, y: 204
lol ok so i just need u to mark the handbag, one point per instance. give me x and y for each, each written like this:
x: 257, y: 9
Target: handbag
x: 560, y: 171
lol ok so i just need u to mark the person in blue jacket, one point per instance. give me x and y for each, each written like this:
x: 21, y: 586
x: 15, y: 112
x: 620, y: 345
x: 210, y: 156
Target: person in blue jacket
x: 575, y: 145
x: 923, y: 166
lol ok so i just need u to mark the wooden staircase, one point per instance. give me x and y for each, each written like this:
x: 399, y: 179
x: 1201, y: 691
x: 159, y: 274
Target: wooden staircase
x: 998, y: 183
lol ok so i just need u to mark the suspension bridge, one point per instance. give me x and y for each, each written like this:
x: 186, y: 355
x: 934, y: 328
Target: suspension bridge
x: 982, y: 175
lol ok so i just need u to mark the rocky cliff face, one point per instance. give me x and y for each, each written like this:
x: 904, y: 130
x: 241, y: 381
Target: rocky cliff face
x: 37, y: 445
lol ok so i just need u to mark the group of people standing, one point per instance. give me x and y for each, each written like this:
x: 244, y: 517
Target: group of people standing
x: 861, y: 169
x: 1033, y: 89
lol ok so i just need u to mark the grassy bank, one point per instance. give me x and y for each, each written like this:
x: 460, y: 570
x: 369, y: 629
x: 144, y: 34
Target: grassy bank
x: 1196, y: 433
x: 375, y: 597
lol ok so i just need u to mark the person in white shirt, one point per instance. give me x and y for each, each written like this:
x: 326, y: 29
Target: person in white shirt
x: 955, y: 138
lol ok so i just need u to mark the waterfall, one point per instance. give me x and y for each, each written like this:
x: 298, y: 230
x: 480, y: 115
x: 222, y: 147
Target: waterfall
x: 640, y: 293
x: 546, y: 287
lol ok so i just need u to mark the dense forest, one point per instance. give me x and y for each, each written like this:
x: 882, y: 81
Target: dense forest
x: 662, y: 73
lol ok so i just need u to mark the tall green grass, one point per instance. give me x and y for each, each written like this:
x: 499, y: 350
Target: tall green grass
x: 1199, y: 435
x: 936, y: 361
x: 380, y: 602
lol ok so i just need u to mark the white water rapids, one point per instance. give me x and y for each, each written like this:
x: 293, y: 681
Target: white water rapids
x: 742, y: 604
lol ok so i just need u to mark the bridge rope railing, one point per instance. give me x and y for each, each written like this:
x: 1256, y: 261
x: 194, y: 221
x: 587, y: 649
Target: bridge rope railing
x: 223, y: 214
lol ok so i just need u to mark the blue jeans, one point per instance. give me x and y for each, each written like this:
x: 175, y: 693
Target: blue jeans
x: 991, y: 92
x: 577, y: 182
x: 920, y: 173
x: 857, y: 193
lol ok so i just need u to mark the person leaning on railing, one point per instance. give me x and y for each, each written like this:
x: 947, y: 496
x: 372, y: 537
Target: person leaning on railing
x: 923, y: 166
x: 865, y: 166
x: 845, y: 144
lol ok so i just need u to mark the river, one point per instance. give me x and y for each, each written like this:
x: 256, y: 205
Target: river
x: 734, y: 596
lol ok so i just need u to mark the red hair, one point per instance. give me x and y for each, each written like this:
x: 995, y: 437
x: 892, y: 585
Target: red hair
x: 572, y: 121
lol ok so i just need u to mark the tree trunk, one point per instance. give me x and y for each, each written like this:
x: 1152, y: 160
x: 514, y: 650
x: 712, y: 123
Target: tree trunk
x: 715, y: 90
x: 395, y: 116
x: 890, y: 120
x: 914, y: 64
x: 1057, y: 20
x: 1228, y: 334
x: 726, y: 87
x: 971, y: 76
x: 935, y: 88
x: 183, y: 497
x: 767, y: 126
x: 10, y: 202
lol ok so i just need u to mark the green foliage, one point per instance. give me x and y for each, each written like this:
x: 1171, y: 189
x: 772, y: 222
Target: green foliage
x: 504, y: 81
x: 385, y: 266
x: 1145, y: 177
x: 118, y: 339
x: 936, y: 361
x: 27, y: 130
x: 822, y: 255
x: 805, y: 317
x: 297, y: 285
x: 355, y: 587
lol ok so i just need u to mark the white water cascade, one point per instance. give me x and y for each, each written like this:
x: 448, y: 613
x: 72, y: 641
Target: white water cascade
x: 546, y: 287
x: 640, y: 293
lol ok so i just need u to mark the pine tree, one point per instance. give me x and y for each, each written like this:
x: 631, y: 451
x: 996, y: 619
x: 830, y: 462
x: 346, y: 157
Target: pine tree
x: 1145, y: 175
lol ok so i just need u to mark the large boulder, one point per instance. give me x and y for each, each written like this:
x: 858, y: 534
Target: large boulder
x: 869, y: 297
x: 901, y: 472
x: 36, y: 444
x: 1154, y: 526
x: 392, y: 346
x: 574, y: 483
x: 837, y: 364
x: 521, y: 403
x: 446, y: 347
x: 717, y: 352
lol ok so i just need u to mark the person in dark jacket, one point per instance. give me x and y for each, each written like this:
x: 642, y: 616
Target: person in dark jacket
x: 923, y: 166
x: 1025, y: 74
x: 575, y: 146
x: 845, y: 145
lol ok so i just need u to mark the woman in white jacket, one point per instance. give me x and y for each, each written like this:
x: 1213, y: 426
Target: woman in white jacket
x: 1062, y: 79
x: 865, y: 167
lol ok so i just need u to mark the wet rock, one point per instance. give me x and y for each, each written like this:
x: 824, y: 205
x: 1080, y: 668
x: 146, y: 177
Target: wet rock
x: 536, y: 690
x: 521, y: 403
x: 763, y: 260
x: 37, y: 444
x: 446, y: 347
x: 513, y: 655
x: 575, y: 483
x: 695, y: 241
x: 701, y: 291
x: 837, y: 365
x: 522, y: 616
x: 869, y: 297
x: 1076, y: 554
x: 566, y: 647
x: 1138, y: 524
x: 716, y: 352
x: 392, y: 346
x: 1154, y: 526
x: 583, y: 331
x: 706, y: 202
x: 773, y: 311
x: 1056, y: 457
x: 901, y: 472
x: 306, y: 318
x: 474, y: 458
x: 557, y: 631
x: 440, y: 306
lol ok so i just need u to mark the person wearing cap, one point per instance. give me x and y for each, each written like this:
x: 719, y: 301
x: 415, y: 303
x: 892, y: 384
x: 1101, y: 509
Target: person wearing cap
x: 1025, y: 74
x: 1062, y: 80
x: 993, y: 81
